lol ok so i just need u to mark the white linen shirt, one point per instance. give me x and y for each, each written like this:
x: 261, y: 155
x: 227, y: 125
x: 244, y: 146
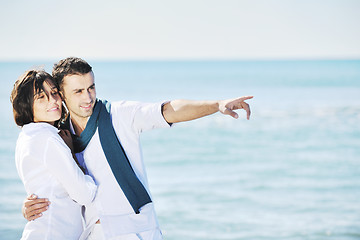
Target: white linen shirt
x: 47, y: 169
x: 117, y: 216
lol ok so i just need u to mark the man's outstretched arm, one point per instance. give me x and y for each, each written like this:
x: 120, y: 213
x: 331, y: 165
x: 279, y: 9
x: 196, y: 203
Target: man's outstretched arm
x: 186, y: 110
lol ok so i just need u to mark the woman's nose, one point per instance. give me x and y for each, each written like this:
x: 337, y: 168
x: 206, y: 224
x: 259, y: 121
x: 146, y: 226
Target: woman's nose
x: 53, y: 97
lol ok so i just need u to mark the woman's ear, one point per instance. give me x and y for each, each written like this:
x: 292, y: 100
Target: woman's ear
x: 64, y: 114
x: 62, y: 96
x: 65, y: 109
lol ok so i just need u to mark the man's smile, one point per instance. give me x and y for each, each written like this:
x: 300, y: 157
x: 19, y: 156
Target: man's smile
x: 86, y: 107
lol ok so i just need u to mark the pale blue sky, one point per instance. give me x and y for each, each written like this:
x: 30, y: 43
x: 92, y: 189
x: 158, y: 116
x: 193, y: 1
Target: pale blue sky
x: 183, y: 29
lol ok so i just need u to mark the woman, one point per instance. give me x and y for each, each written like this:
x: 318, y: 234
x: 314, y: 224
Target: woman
x: 44, y: 161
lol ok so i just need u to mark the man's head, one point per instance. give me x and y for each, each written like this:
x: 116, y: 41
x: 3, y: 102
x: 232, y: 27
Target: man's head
x: 69, y: 66
x: 75, y: 79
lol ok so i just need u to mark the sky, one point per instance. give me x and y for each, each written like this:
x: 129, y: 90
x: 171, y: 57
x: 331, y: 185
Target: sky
x: 182, y: 29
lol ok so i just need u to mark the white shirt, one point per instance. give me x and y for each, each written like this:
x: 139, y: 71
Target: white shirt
x: 47, y: 169
x: 115, y: 212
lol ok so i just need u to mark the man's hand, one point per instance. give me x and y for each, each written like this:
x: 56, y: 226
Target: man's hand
x: 33, y: 207
x: 228, y: 106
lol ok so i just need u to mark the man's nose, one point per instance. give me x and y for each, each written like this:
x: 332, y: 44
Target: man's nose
x: 87, y: 96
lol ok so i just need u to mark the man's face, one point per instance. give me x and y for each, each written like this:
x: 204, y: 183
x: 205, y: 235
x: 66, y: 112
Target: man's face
x: 79, y: 94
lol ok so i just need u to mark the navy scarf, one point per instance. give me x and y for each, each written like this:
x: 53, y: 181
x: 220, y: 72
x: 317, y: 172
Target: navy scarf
x: 133, y: 189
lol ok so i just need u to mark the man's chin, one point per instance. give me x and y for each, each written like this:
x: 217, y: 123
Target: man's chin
x: 85, y: 113
x: 88, y: 113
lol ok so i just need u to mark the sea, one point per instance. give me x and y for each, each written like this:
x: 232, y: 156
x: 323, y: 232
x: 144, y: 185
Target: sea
x: 291, y: 172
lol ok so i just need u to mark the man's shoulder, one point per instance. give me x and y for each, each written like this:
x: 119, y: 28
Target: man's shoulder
x: 124, y: 106
x: 125, y: 103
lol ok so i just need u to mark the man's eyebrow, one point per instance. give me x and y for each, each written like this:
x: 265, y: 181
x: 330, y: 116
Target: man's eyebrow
x: 77, y: 89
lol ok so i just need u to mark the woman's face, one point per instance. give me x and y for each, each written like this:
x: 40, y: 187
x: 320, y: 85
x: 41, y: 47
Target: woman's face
x: 47, y: 104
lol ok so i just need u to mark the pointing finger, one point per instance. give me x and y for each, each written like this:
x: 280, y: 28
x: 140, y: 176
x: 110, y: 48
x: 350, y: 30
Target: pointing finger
x: 245, y: 98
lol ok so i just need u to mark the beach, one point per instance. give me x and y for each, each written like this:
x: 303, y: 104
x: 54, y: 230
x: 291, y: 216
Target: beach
x: 291, y: 172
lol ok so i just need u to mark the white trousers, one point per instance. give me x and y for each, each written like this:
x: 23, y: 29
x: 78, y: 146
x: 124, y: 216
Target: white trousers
x: 98, y: 234
x: 147, y: 235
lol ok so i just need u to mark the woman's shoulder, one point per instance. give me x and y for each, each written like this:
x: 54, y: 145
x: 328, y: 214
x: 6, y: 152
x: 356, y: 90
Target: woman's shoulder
x: 35, y: 140
x: 39, y: 133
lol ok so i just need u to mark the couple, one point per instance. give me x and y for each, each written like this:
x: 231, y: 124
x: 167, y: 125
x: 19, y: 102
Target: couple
x: 99, y: 177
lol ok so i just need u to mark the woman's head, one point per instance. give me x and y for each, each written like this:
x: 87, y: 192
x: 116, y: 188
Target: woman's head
x: 35, y: 98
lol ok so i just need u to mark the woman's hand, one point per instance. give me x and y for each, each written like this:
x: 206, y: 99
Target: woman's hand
x: 66, y: 136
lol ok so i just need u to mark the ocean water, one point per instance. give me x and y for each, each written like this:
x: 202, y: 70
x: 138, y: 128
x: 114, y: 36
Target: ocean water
x: 291, y: 172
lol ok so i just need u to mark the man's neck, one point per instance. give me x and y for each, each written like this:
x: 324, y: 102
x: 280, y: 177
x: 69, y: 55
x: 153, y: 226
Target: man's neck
x: 79, y: 124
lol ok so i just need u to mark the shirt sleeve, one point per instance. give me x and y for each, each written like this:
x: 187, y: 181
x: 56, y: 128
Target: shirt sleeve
x: 58, y: 159
x: 142, y: 116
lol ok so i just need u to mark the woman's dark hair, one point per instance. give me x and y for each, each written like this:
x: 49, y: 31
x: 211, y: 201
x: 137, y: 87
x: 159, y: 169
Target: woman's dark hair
x: 22, y: 95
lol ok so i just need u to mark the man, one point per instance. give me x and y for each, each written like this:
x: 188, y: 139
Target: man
x: 123, y: 202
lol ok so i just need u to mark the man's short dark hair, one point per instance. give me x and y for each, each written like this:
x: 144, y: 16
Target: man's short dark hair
x: 22, y: 95
x: 69, y: 66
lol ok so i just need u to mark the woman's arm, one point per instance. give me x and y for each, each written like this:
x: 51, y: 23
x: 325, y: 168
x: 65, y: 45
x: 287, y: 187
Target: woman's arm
x: 59, y: 161
x: 33, y: 207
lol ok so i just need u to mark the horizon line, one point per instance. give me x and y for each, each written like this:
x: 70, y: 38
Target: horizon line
x: 101, y: 59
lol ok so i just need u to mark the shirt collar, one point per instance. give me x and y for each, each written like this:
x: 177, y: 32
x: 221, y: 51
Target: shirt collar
x: 39, y: 126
